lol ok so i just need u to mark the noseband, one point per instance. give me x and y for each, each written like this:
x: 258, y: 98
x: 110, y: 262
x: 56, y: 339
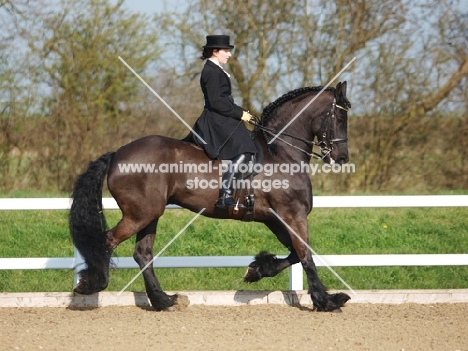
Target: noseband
x: 325, y: 144
x: 328, y: 139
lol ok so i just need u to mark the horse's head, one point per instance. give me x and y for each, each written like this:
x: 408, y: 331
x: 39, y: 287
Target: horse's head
x: 333, y: 138
x: 327, y: 121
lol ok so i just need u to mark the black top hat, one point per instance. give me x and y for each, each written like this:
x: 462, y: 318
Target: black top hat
x: 218, y: 42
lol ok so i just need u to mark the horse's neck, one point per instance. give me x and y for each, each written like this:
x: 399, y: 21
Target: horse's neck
x: 299, y: 151
x: 284, y: 153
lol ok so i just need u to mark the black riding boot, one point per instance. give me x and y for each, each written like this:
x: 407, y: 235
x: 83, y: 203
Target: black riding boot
x: 226, y: 190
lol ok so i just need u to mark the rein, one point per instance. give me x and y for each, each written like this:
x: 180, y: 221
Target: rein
x: 326, y: 144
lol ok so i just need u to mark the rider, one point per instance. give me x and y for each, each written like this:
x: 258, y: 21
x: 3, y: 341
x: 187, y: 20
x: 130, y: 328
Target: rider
x: 220, y: 123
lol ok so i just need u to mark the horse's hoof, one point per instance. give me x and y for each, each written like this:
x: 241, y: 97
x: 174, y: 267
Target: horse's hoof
x: 182, y: 302
x: 169, y: 309
x: 79, y: 290
x: 339, y: 299
x: 85, y: 289
x: 252, y: 275
x: 335, y: 310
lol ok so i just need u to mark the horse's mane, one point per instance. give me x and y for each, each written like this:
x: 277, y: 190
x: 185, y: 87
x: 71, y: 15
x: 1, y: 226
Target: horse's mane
x: 272, y: 106
x: 267, y: 111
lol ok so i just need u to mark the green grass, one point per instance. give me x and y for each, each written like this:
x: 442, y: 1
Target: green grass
x: 332, y: 231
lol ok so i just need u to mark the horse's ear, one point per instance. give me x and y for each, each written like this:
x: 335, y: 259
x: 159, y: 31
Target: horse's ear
x: 340, y: 90
x: 340, y: 93
x: 343, y: 87
x: 338, y: 87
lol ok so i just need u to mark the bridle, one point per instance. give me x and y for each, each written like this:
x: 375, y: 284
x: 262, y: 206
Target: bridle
x: 325, y: 144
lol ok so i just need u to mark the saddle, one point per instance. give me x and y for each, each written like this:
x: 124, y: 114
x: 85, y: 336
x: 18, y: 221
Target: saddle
x: 245, y: 193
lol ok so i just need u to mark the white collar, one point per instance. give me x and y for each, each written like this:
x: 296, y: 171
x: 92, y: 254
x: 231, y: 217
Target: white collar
x: 217, y: 64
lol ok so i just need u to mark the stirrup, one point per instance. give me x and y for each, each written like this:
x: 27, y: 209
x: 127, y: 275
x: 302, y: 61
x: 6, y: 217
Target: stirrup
x: 226, y: 201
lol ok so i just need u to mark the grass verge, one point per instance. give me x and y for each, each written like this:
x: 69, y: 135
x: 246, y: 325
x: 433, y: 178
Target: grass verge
x: 332, y: 231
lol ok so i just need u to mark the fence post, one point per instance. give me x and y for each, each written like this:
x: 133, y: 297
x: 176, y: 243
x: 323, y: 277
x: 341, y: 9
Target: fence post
x: 295, y: 277
x: 78, y: 265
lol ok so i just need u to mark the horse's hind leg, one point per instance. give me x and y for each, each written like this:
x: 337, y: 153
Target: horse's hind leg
x: 143, y: 255
x: 96, y: 277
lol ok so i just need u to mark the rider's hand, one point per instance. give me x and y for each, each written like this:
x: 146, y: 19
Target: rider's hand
x: 246, y: 116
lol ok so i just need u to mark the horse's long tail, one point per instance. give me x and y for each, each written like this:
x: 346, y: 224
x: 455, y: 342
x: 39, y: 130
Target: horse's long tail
x: 88, y: 225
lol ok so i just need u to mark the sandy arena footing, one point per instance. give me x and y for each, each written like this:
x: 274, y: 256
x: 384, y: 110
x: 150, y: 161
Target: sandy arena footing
x: 228, y: 298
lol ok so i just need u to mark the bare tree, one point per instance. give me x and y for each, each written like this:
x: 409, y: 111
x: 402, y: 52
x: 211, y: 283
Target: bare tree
x: 92, y: 92
x: 412, y: 60
x: 66, y: 97
x: 412, y: 82
x: 18, y: 99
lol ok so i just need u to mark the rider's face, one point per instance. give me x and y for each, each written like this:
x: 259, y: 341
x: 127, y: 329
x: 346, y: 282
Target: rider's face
x: 222, y: 55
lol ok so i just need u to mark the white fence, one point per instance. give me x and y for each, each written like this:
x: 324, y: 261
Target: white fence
x: 296, y: 279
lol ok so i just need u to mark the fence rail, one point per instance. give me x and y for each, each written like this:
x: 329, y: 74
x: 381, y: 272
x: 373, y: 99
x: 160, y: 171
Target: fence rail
x: 319, y: 202
x: 295, y: 280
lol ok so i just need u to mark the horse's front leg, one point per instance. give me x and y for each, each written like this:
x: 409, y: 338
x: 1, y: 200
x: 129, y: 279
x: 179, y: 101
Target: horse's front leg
x: 143, y: 255
x: 268, y: 265
x: 322, y: 300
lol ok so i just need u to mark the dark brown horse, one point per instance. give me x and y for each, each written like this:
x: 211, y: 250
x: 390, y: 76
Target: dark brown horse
x: 143, y: 195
